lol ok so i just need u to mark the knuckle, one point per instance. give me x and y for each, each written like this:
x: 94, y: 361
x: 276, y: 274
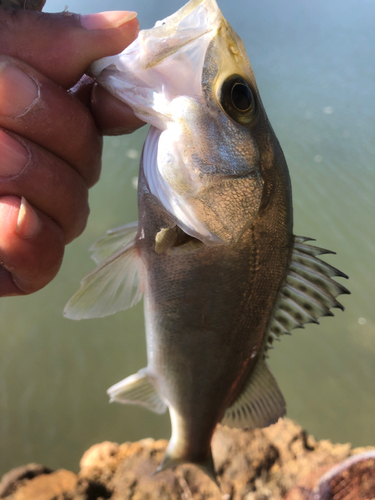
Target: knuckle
x: 13, y: 22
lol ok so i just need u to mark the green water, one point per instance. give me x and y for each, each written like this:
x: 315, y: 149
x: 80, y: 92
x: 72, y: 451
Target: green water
x: 314, y: 63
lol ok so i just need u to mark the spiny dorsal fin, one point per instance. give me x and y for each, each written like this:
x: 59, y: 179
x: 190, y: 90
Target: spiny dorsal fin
x: 113, y: 286
x: 137, y: 390
x: 112, y: 242
x: 260, y: 403
x: 309, y: 291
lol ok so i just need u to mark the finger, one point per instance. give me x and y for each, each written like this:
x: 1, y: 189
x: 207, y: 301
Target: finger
x: 38, y: 109
x: 47, y: 182
x: 31, y: 247
x: 62, y: 46
x: 112, y: 116
x: 22, y: 4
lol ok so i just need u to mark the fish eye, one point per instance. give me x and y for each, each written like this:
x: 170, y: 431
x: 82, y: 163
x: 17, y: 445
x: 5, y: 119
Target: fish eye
x: 241, y: 96
x: 237, y: 99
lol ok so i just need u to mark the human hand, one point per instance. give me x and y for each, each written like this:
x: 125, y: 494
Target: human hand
x: 50, y: 137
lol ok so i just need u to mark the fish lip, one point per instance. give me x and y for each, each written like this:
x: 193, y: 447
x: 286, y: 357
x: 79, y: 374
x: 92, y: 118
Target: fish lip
x: 175, y: 49
x: 191, y: 23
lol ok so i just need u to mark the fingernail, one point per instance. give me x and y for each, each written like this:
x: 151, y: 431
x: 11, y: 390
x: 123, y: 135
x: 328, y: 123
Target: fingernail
x: 106, y: 20
x: 28, y: 222
x: 18, y: 91
x: 13, y: 156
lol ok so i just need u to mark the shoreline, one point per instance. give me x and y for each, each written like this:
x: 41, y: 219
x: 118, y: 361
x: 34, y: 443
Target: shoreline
x: 279, y: 462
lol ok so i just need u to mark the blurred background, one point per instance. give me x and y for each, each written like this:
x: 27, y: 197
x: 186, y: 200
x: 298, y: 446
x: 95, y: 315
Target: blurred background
x: 315, y: 68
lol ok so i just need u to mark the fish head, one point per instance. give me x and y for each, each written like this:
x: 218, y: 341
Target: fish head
x: 190, y: 78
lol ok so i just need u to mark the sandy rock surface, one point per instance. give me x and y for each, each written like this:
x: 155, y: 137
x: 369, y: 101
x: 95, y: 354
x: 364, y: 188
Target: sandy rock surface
x: 280, y: 462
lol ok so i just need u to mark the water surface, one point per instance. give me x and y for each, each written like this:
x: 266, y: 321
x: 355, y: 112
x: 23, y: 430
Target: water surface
x: 314, y: 63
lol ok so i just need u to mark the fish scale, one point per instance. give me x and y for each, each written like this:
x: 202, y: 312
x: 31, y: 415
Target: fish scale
x: 213, y: 252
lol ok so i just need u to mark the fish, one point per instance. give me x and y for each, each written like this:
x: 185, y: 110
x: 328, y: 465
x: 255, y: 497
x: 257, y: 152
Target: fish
x: 213, y: 253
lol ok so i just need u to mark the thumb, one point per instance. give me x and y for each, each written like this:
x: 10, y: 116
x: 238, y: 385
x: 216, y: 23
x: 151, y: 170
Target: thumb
x: 62, y: 46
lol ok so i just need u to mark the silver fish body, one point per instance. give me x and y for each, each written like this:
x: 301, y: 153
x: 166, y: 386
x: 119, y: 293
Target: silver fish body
x: 206, y: 310
x: 214, y: 252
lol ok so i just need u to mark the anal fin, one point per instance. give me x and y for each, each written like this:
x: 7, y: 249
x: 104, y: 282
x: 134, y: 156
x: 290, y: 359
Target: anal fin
x: 260, y: 403
x: 137, y: 390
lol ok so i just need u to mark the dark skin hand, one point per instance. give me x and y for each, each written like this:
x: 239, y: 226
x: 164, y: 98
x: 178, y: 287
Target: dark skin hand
x: 52, y: 118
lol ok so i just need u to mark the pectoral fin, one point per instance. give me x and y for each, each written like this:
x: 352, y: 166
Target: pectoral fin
x: 260, y: 403
x: 113, y: 241
x: 137, y: 390
x: 111, y: 287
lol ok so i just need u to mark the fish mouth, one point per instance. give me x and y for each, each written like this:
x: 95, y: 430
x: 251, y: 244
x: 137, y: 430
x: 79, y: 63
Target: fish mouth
x: 163, y: 62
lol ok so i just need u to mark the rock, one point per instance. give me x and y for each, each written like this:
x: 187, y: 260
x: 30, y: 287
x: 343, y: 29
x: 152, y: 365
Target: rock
x: 18, y: 476
x: 352, y: 479
x: 46, y: 486
x: 262, y: 464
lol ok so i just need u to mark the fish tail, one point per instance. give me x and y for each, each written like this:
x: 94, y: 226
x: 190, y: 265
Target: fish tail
x: 206, y: 465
